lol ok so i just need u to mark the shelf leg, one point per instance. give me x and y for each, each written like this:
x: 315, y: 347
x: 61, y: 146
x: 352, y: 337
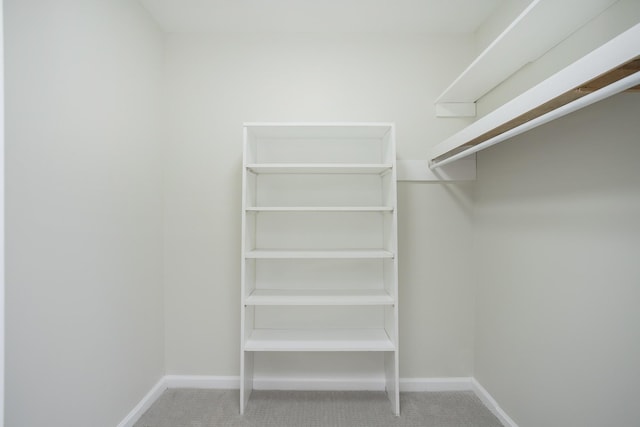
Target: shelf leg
x: 392, y: 383
x: 246, y: 379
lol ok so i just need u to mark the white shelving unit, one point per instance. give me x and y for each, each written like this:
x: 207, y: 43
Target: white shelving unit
x: 319, y: 243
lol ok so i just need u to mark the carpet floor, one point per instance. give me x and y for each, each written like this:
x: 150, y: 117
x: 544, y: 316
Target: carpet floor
x: 209, y: 408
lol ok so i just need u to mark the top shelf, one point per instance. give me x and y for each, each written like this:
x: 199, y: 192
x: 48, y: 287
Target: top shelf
x: 318, y: 145
x: 319, y: 168
x: 601, y: 73
x: 520, y: 43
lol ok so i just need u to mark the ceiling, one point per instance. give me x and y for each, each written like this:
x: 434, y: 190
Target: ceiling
x: 289, y: 16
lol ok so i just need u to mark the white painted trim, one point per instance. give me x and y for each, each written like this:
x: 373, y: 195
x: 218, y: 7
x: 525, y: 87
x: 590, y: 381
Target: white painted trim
x: 203, y: 381
x: 275, y: 383
x: 615, y: 52
x: 521, y: 42
x: 341, y: 383
x: 146, y: 402
x: 436, y: 384
x: 491, y: 403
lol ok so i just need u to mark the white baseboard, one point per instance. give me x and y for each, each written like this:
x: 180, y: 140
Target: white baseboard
x: 280, y: 383
x: 491, y: 403
x: 202, y: 381
x: 146, y: 402
x: 293, y: 383
x: 436, y: 384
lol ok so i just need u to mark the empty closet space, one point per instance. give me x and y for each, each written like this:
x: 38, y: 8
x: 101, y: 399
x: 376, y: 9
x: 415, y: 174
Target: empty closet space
x: 211, y: 195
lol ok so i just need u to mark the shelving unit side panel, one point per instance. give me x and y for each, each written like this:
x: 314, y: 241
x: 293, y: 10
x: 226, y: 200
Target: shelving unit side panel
x: 392, y: 364
x: 392, y: 381
x: 388, y: 145
x: 391, y: 323
x: 246, y: 378
x: 250, y: 227
x: 250, y: 189
x: 246, y: 359
x: 250, y: 145
x: 249, y: 278
x: 387, y: 184
x: 243, y: 213
x: 390, y: 279
x: 248, y: 322
x: 388, y: 235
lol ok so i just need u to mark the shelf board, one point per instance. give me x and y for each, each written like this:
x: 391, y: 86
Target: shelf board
x: 554, y: 97
x: 320, y: 168
x: 318, y: 254
x: 520, y: 43
x: 319, y: 340
x: 319, y: 297
x: 320, y: 209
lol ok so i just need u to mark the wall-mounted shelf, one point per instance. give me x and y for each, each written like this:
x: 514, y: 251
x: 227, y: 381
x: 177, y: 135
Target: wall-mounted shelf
x: 527, y: 38
x: 609, y: 69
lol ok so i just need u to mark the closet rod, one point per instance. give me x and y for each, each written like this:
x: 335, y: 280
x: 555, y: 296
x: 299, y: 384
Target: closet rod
x: 603, y: 72
x: 621, y: 85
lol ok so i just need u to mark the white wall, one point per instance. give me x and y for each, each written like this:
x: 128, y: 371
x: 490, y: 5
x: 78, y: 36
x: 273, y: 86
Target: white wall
x: 215, y: 84
x: 2, y: 204
x: 557, y: 245
x: 84, y: 214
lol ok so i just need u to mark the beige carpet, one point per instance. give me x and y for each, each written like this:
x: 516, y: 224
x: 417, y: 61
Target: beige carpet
x: 209, y: 408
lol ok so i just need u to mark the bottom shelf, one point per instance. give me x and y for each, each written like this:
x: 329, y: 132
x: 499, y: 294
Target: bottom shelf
x: 319, y: 340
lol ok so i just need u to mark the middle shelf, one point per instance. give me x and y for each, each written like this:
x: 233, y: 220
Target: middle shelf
x: 319, y: 297
x: 319, y: 340
x: 318, y: 254
x: 319, y: 168
x: 320, y: 209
